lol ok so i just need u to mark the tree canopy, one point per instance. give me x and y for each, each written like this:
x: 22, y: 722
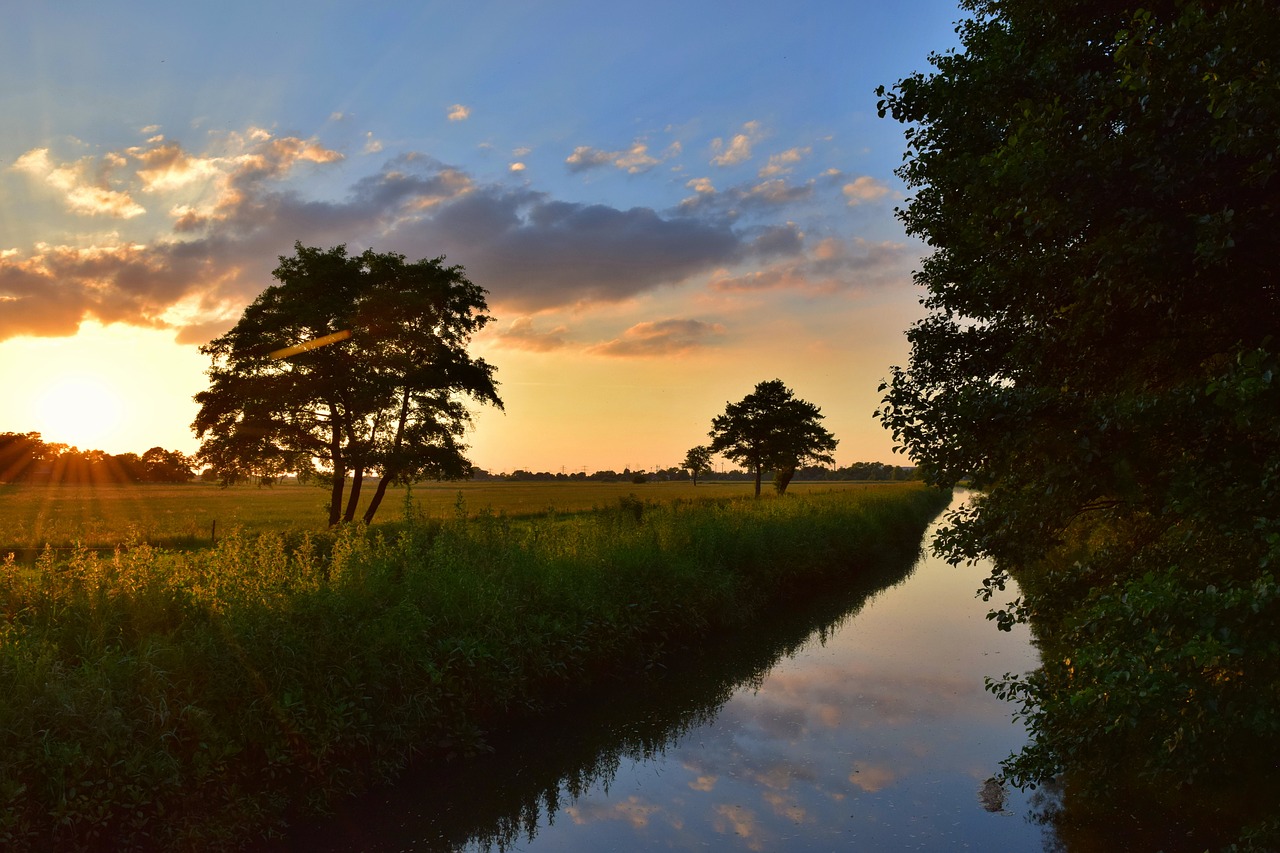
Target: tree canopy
x: 1097, y: 185
x: 770, y: 429
x: 357, y: 361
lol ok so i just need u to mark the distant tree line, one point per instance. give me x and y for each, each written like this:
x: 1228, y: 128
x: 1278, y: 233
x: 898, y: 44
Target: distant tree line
x: 873, y: 471
x: 26, y: 458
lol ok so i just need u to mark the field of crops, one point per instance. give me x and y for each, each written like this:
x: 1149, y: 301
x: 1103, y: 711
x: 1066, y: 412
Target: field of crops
x: 192, y: 516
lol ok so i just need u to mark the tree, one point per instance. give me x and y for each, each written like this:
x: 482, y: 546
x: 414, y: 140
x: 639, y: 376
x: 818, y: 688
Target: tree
x: 769, y: 429
x: 359, y: 362
x: 1097, y: 183
x: 165, y: 466
x: 698, y: 461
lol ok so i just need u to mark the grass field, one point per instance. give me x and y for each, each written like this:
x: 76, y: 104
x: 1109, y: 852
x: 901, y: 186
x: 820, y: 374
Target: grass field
x: 184, y: 516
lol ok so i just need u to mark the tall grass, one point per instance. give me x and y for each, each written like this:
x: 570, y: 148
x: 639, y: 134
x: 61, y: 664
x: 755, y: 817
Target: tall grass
x: 196, y: 700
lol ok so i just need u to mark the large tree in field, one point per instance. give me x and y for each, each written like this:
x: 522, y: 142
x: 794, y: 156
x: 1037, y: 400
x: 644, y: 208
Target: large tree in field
x: 358, y: 361
x: 770, y: 429
x: 1097, y: 182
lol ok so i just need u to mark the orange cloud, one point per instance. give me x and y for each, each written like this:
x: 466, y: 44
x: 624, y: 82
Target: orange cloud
x: 863, y: 190
x: 738, y: 148
x: 523, y: 336
x: 663, y: 338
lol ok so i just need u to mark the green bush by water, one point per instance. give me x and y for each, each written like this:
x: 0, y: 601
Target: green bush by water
x: 196, y: 700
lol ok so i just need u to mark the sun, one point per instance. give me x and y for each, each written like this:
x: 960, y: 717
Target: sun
x: 80, y: 409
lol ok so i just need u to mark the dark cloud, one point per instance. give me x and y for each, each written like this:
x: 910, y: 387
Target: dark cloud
x: 534, y: 253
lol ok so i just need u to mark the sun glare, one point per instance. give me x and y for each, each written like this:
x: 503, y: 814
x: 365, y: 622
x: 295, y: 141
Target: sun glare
x: 118, y: 389
x: 79, y: 409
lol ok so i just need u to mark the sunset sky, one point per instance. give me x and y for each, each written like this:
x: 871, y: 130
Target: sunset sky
x: 668, y: 203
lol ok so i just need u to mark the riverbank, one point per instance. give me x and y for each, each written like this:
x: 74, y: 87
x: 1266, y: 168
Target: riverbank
x: 192, y: 700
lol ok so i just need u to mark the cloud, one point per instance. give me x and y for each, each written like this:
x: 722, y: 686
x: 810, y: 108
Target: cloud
x: 762, y: 196
x: 459, y: 112
x: 872, y: 777
x: 831, y: 266
x: 738, y: 148
x: 864, y: 189
x: 632, y: 811
x: 371, y: 145
x: 701, y: 186
x: 663, y: 338
x: 222, y: 215
x: 633, y: 160
x: 165, y: 166
x: 85, y: 185
x: 781, y: 164
x: 521, y: 335
x: 535, y: 253
x: 516, y: 167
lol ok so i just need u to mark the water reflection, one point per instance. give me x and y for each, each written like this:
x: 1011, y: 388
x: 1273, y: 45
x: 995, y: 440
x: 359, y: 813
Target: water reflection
x: 859, y: 719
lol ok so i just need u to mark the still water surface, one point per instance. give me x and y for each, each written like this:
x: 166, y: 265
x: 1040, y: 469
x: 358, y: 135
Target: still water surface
x: 860, y: 722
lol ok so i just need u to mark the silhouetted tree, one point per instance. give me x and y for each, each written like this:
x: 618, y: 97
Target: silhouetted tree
x: 770, y: 429
x: 385, y: 394
x: 698, y: 460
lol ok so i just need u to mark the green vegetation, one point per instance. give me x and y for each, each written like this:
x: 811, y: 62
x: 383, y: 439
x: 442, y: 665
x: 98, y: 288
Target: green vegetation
x: 1097, y: 182
x: 196, y: 700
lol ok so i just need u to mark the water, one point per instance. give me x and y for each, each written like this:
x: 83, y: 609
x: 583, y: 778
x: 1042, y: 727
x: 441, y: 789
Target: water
x: 870, y: 731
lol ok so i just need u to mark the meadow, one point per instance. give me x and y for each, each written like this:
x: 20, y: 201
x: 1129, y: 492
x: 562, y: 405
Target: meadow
x: 200, y: 699
x: 102, y: 517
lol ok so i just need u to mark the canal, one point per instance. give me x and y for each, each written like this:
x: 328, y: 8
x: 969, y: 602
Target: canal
x: 859, y: 721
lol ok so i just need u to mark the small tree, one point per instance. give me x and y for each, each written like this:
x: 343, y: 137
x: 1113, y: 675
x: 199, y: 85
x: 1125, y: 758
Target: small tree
x: 698, y: 461
x: 771, y: 429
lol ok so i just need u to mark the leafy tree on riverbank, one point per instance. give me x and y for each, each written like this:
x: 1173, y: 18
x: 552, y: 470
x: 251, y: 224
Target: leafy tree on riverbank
x: 358, y: 361
x: 1097, y: 182
x: 771, y: 429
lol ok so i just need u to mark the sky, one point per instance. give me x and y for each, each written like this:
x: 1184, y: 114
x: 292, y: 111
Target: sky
x: 667, y: 203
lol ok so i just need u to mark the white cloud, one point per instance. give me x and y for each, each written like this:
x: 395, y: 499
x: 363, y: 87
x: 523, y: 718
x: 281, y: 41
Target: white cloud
x: 371, y: 145
x: 459, y: 112
x: 864, y: 189
x: 517, y: 167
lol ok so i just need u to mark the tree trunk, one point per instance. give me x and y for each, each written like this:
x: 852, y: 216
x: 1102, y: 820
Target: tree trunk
x: 758, y: 467
x: 339, y: 473
x: 387, y: 473
x: 782, y: 479
x: 357, y: 480
x: 377, y: 498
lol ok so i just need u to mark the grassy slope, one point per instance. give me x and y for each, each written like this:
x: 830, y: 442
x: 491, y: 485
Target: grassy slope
x: 191, y: 700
